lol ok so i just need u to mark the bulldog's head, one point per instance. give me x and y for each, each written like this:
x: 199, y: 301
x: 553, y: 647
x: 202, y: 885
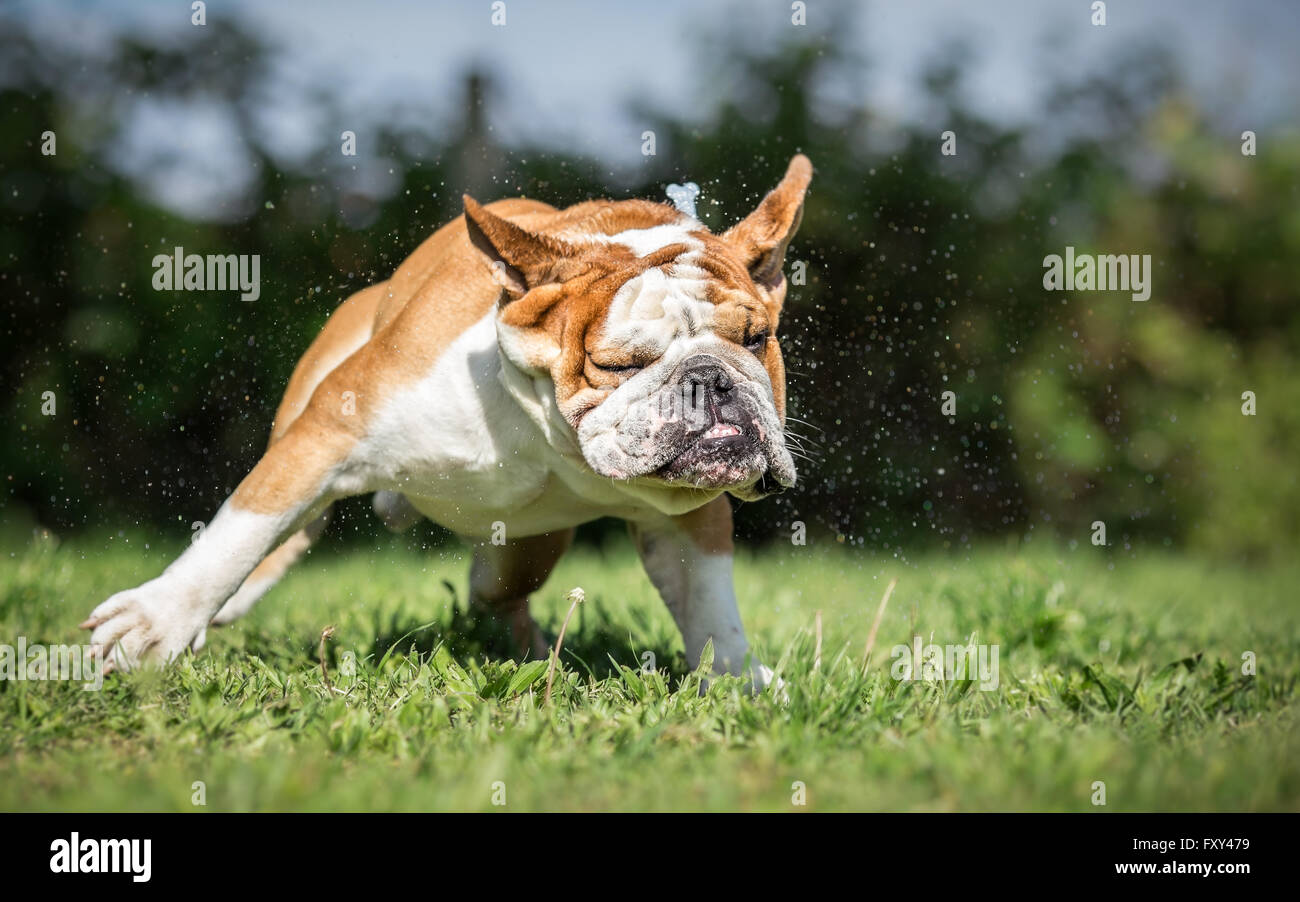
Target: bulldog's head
x: 656, y: 339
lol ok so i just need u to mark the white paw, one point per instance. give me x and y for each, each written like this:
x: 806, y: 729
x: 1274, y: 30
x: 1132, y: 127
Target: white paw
x: 764, y: 680
x: 145, y: 625
x: 758, y: 679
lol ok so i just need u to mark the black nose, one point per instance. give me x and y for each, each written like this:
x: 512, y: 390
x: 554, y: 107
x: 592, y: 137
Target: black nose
x: 707, y: 373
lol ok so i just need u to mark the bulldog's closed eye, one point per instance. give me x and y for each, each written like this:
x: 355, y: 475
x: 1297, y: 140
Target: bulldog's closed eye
x: 616, y: 368
x: 757, y: 343
x: 610, y: 373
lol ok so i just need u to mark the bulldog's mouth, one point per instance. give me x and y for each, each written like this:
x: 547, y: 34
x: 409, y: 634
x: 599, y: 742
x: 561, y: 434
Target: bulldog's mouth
x: 723, y: 456
x: 721, y: 430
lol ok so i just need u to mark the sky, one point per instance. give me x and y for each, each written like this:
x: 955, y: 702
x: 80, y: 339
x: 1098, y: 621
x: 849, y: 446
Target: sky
x: 567, y: 71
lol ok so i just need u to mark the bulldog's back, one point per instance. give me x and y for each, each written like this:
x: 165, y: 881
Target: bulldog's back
x: 441, y: 277
x: 444, y: 273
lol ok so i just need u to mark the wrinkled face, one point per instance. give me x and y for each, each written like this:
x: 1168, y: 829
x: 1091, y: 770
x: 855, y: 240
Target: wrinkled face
x: 681, y: 378
x: 658, y: 337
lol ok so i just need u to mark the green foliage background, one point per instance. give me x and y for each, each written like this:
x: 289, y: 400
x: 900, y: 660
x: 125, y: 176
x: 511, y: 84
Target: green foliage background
x: 924, y: 275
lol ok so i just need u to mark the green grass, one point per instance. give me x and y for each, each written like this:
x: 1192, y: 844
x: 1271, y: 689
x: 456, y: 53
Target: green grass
x: 1113, y: 667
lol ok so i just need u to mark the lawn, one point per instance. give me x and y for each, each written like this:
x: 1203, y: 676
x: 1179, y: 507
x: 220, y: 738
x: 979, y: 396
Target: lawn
x: 1118, y: 667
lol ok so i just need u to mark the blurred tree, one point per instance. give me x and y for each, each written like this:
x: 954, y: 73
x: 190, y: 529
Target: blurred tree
x: 924, y: 275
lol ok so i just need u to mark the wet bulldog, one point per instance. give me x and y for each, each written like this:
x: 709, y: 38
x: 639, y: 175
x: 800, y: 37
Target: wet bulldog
x: 533, y: 369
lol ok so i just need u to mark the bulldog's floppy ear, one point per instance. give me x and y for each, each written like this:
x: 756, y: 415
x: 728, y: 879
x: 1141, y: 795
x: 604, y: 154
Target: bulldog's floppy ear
x: 762, y: 237
x: 520, y: 259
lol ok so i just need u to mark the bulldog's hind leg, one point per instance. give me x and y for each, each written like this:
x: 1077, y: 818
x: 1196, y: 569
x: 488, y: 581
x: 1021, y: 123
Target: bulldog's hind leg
x: 348, y: 328
x: 297, y: 478
x: 503, y: 576
x: 392, y: 507
x: 689, y: 560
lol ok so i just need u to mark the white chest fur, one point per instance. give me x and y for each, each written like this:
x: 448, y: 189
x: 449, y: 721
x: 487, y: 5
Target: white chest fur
x: 469, y: 454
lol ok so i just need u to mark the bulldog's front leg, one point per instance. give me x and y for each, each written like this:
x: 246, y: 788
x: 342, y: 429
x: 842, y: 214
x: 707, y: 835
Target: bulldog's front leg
x: 158, y: 620
x: 689, y: 560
